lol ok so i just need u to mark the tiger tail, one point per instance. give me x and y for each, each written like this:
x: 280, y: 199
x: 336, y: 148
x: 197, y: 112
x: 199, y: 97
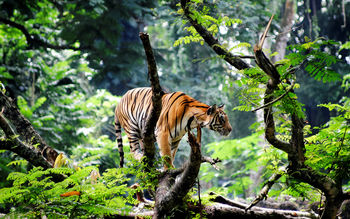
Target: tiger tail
x: 118, y: 133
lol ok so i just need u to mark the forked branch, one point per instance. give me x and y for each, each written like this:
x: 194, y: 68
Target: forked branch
x: 170, y: 193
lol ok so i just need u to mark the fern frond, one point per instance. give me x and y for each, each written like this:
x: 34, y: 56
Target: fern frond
x: 17, y: 163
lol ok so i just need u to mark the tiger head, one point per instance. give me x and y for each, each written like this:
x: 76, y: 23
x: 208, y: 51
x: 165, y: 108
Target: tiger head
x: 217, y: 120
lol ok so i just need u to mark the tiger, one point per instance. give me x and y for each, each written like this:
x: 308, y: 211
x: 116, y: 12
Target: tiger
x: 179, y: 111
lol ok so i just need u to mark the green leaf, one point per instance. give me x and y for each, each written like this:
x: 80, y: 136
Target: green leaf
x: 23, y: 107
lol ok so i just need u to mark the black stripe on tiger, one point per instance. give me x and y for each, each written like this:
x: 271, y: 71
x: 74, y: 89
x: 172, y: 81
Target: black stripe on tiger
x: 118, y: 133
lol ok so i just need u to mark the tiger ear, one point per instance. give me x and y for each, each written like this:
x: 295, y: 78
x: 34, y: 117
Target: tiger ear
x: 211, y: 109
x: 222, y: 106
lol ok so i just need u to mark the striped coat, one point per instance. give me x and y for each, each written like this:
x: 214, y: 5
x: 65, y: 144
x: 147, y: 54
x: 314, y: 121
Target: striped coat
x: 178, y: 109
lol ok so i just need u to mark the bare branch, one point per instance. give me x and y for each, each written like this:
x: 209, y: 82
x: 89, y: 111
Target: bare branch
x: 265, y: 190
x: 263, y: 62
x: 270, y: 129
x: 262, y: 38
x: 212, y: 161
x: 234, y: 208
x: 157, y: 93
x: 275, y: 100
x: 226, y: 201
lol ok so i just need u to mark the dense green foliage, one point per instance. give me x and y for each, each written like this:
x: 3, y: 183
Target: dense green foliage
x: 82, y: 54
x: 36, y: 194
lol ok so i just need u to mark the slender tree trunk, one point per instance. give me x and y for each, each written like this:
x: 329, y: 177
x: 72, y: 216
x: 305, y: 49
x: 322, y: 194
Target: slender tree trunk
x: 284, y: 34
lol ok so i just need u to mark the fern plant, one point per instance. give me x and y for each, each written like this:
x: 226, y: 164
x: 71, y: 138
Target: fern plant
x: 83, y: 192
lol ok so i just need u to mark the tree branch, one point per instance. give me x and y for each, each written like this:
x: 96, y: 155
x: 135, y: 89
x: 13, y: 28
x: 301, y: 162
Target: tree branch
x: 235, y: 61
x: 211, y: 161
x: 296, y: 148
x: 263, y: 37
x: 275, y: 100
x: 157, y: 93
x: 265, y: 190
x: 33, y: 40
x: 12, y: 143
x: 25, y: 129
x: 233, y: 208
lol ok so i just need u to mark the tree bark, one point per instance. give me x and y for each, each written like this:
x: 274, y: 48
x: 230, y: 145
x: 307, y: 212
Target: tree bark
x: 286, y: 26
x: 157, y: 93
x: 225, y: 211
x: 170, y: 193
x: 26, y: 132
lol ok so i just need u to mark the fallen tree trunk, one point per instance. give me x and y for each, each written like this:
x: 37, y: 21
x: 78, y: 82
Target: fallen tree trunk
x: 226, y: 211
x: 220, y: 210
x: 264, y: 212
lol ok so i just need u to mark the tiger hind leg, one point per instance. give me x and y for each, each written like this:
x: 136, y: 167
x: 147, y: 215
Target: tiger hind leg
x: 136, y: 147
x: 165, y: 150
x: 174, y: 147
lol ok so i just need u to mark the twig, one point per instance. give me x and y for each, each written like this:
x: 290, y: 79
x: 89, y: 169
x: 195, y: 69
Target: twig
x: 275, y: 100
x: 265, y: 190
x: 262, y: 39
x: 212, y: 161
